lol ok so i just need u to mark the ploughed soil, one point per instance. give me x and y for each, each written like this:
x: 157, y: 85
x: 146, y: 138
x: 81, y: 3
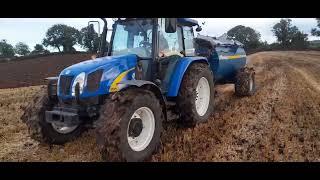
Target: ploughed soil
x: 281, y: 122
x: 33, y: 71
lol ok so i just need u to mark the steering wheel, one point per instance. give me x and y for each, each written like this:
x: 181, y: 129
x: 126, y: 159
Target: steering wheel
x: 146, y: 45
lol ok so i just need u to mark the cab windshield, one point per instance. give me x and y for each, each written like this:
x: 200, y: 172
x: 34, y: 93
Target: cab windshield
x: 133, y: 37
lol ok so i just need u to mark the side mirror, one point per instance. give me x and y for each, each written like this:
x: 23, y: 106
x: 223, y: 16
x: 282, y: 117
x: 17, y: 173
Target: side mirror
x: 171, y: 25
x: 199, y: 29
x: 91, y: 27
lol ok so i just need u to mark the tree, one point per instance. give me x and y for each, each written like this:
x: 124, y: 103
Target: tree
x: 62, y: 35
x: 283, y: 32
x: 22, y: 49
x: 89, y: 39
x: 299, y: 40
x: 274, y: 46
x: 263, y: 45
x: 315, y: 31
x: 289, y: 36
x: 39, y: 49
x: 6, y: 50
x: 246, y: 35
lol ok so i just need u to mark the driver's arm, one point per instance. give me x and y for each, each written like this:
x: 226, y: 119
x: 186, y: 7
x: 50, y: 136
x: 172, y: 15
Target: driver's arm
x: 166, y: 53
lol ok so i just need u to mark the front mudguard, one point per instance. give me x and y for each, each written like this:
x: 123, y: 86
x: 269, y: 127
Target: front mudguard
x: 151, y: 87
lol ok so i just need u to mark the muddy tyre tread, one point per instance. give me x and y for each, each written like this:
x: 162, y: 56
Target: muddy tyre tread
x: 242, y: 87
x: 186, y: 97
x: 112, y: 118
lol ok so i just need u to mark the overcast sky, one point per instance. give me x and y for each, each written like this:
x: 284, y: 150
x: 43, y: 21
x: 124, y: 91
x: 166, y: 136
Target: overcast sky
x: 32, y: 30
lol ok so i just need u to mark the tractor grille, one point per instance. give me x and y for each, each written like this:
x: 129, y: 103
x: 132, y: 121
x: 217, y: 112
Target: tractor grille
x: 65, y: 84
x: 93, y: 80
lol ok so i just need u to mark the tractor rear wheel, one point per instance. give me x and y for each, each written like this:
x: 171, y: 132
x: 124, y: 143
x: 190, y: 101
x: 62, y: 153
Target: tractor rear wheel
x: 42, y: 131
x: 245, y: 82
x: 129, y: 126
x: 196, y: 95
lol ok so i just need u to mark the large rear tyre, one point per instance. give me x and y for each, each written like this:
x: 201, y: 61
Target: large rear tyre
x: 129, y: 126
x: 42, y: 131
x: 196, y: 95
x: 245, y: 82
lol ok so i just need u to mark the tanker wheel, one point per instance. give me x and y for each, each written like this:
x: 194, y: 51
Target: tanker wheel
x: 245, y: 82
x: 196, y: 95
x: 42, y: 131
x: 129, y: 126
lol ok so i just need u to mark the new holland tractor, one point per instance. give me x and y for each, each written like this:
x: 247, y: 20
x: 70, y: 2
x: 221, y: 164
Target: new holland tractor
x: 153, y: 71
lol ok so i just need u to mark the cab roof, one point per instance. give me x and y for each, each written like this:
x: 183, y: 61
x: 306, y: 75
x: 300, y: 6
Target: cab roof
x: 182, y: 21
x: 187, y: 22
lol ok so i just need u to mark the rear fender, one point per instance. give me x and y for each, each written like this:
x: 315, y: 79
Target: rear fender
x: 180, y: 70
x: 148, y: 85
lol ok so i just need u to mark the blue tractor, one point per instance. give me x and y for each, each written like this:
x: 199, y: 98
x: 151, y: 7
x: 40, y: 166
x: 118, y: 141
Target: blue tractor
x: 154, y: 70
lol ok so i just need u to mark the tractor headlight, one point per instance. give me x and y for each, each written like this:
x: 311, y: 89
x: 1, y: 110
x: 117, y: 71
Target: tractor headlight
x: 81, y: 80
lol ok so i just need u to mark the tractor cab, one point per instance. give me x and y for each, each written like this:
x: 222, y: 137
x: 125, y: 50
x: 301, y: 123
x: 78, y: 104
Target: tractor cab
x: 152, y: 37
x: 158, y: 43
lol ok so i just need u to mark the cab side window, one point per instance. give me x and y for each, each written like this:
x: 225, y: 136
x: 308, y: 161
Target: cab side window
x: 170, y: 42
x: 188, y: 41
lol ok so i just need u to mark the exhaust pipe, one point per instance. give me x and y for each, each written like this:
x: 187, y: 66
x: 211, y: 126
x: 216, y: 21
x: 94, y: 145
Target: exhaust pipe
x: 77, y: 93
x: 103, y: 38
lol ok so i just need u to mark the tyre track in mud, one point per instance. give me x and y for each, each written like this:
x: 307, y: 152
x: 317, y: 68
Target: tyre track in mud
x: 281, y: 122
x: 307, y: 77
x: 237, y: 128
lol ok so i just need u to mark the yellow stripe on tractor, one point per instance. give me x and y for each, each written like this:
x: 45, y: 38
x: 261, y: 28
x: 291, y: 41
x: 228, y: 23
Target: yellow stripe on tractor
x: 114, y: 86
x: 234, y: 57
x: 231, y: 57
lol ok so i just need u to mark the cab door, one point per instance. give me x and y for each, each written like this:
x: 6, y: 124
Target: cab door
x: 170, y: 52
x: 188, y: 37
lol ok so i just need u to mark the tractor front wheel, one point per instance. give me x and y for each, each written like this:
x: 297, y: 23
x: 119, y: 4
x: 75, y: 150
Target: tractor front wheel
x: 129, y: 126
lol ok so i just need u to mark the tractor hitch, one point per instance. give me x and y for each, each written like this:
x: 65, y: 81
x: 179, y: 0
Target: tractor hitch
x: 66, y: 116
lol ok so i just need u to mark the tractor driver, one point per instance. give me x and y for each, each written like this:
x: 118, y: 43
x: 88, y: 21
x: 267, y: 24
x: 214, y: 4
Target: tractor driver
x: 169, y: 55
x: 164, y: 50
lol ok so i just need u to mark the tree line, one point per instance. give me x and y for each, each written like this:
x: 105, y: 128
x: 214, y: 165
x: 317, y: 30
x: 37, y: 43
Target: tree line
x: 59, y: 36
x: 288, y: 37
x: 7, y: 50
x: 64, y: 38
